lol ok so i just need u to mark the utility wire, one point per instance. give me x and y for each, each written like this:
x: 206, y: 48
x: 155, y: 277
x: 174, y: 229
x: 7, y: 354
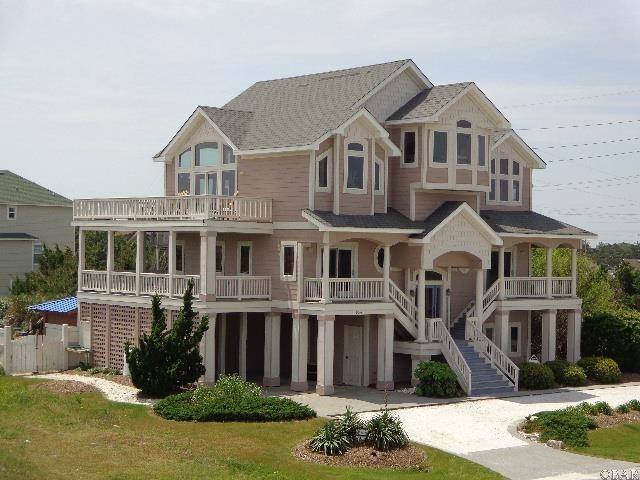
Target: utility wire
x: 600, y: 124
x: 588, y: 182
x: 604, y: 155
x: 571, y: 99
x: 589, y: 143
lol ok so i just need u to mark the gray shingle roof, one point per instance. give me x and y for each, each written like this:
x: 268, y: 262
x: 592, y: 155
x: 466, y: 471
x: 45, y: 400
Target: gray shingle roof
x: 436, y: 218
x: 16, y: 190
x: 528, y: 223
x: 234, y: 123
x: 16, y: 236
x: 391, y: 219
x: 429, y: 101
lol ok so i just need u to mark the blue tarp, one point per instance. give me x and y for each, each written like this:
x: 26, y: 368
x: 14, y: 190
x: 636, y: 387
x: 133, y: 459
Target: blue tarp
x: 62, y: 305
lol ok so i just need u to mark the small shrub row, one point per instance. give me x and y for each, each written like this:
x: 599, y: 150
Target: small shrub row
x: 535, y: 376
x: 567, y: 373
x: 103, y: 371
x: 601, y: 369
x: 436, y: 380
x: 2, y: 372
x: 383, y: 432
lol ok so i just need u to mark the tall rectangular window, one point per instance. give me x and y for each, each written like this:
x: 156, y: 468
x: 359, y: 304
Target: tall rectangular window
x: 227, y: 155
x: 515, y: 168
x: 439, y: 147
x: 179, y: 257
x: 184, y: 184
x: 228, y: 182
x: 323, y: 172
x: 492, y: 192
x: 504, y: 166
x: 515, y: 191
x: 37, y: 252
x: 244, y: 253
x: 220, y: 257
x: 464, y: 149
x: 288, y: 261
x: 378, y: 178
x: 409, y: 148
x: 514, y: 340
x: 201, y: 184
x: 12, y: 213
x: 493, y: 165
x: 482, y: 150
x: 355, y: 169
x: 184, y: 160
x: 504, y: 190
x: 212, y: 183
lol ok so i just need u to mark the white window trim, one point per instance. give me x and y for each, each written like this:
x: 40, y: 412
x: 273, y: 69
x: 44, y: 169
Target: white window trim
x: 238, y: 260
x: 510, y: 177
x: 292, y: 277
x: 476, y: 139
x: 403, y: 132
x: 375, y: 258
x: 517, y: 353
x: 220, y: 243
x: 365, y: 170
x: 33, y: 253
x: 353, y: 246
x: 15, y: 212
x: 329, y: 154
x: 193, y: 170
x: 180, y: 243
x: 383, y: 176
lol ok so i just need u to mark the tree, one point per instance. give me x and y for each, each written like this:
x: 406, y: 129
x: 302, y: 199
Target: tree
x: 166, y: 360
x: 56, y: 276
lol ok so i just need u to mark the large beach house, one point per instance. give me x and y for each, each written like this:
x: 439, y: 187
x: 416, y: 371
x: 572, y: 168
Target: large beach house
x: 339, y: 227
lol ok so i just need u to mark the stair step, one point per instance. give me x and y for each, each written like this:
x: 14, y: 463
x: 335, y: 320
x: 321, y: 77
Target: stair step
x: 496, y: 382
x: 490, y: 392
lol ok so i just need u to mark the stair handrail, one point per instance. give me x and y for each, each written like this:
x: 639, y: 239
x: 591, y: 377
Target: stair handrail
x: 403, y: 302
x: 489, y: 296
x: 499, y: 359
x: 452, y: 354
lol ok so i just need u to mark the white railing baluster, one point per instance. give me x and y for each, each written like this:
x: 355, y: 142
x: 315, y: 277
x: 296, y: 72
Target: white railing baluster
x: 452, y: 354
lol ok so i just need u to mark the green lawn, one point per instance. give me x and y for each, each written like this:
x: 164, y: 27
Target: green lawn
x: 43, y: 435
x: 621, y: 442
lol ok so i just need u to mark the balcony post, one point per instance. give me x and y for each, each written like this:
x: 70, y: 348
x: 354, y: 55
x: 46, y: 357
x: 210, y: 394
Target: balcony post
x: 271, y: 350
x: 109, y: 259
x: 81, y: 256
x: 548, y: 335
x: 421, y: 307
x: 299, y: 352
x: 574, y: 272
x: 574, y: 329
x: 501, y: 273
x: 386, y: 268
x: 549, y: 272
x: 139, y: 259
x: 385, y: 353
x: 172, y: 260
x: 325, y: 351
x: 208, y: 267
x: 326, y: 250
x: 501, y: 330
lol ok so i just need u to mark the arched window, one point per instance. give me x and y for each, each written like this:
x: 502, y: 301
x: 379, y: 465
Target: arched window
x: 463, y: 124
x: 206, y: 173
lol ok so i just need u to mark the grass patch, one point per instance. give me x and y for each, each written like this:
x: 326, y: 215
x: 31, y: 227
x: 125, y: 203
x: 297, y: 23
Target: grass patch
x: 54, y: 436
x: 621, y: 442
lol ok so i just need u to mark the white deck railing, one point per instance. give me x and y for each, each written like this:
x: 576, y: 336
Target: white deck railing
x: 94, y: 280
x: 123, y: 282
x: 180, y: 283
x: 313, y: 289
x: 242, y: 287
x: 197, y: 207
x: 404, y: 303
x: 562, y: 286
x: 483, y: 345
x: 345, y: 289
x: 452, y: 354
x: 531, y: 287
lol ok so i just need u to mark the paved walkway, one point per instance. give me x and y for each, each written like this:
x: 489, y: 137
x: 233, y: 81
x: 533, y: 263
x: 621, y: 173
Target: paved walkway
x: 485, y: 432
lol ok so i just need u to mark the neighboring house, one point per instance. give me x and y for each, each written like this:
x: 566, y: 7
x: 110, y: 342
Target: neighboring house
x: 59, y: 312
x: 340, y: 227
x: 31, y: 216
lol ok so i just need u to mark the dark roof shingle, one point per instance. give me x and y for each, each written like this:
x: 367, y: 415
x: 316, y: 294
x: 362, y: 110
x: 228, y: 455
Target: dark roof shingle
x: 16, y: 236
x: 391, y: 219
x: 16, y: 190
x: 528, y: 223
x: 429, y: 102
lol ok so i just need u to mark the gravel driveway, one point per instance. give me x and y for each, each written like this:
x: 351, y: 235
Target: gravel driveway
x: 484, y: 431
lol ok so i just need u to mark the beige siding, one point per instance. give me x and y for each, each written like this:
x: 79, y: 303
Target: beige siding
x: 170, y: 179
x: 400, y: 177
x: 463, y: 176
x: 437, y: 175
x: 16, y: 259
x: 428, y: 202
x: 463, y: 287
x: 50, y: 225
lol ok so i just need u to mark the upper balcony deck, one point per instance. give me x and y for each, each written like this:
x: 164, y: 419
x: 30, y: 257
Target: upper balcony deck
x: 202, y: 207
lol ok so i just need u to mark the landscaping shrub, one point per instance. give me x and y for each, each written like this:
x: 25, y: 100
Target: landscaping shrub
x: 184, y: 407
x: 594, y: 408
x: 436, y: 380
x: 535, y: 376
x: 634, y: 405
x: 331, y: 439
x: 227, y: 386
x: 557, y: 367
x: 614, y: 334
x: 573, y: 376
x: 350, y: 423
x: 624, y: 408
x: 569, y: 425
x: 385, y: 432
x: 2, y: 372
x: 601, y: 369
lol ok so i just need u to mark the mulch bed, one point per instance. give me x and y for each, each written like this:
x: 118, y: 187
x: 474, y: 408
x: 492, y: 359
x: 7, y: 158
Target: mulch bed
x: 410, y: 457
x: 120, y: 379
x: 604, y: 421
x: 64, y: 387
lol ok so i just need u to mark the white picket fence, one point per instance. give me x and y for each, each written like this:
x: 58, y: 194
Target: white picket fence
x: 43, y: 353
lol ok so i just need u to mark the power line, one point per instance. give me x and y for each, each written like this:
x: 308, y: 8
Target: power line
x: 589, y: 182
x: 590, y: 143
x: 600, y: 124
x: 604, y: 155
x: 571, y: 99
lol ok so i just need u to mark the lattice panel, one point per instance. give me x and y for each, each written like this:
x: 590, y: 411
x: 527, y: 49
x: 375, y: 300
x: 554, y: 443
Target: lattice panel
x: 98, y: 318
x: 85, y: 312
x: 145, y: 320
x: 122, y: 322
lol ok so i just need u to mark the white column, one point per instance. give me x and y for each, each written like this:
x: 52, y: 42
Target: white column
x: 271, y: 350
x: 325, y: 349
x: 501, y: 273
x: 385, y: 353
x: 548, y: 335
x: 208, y: 266
x: 415, y: 359
x: 172, y: 260
x: 299, y: 352
x: 139, y: 258
x: 300, y: 272
x: 366, y: 336
x: 222, y: 343
x: 549, y: 272
x: 501, y: 330
x: 574, y: 335
x: 6, y: 354
x: 81, y: 256
x: 479, y: 295
x: 209, y: 353
x: 242, y: 347
x: 326, y: 248
x: 574, y: 272
x: 109, y: 259
x: 386, y: 269
x: 421, y: 307
x: 65, y: 343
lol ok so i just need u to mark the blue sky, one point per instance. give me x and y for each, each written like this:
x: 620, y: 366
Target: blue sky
x: 90, y: 90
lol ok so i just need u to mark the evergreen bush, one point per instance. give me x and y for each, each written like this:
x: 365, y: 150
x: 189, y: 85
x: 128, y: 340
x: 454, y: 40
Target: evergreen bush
x: 535, y: 376
x: 436, y: 380
x: 601, y: 369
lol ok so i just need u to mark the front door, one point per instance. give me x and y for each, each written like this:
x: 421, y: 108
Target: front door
x: 432, y: 301
x: 352, y: 356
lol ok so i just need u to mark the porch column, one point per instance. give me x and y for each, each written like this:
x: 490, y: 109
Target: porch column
x: 386, y: 268
x: 574, y: 272
x: 548, y: 335
x: 271, y: 350
x: 208, y: 266
x: 385, y: 353
x: 242, y: 346
x: 326, y: 251
x: 139, y: 258
x: 172, y: 260
x: 549, y: 283
x: 421, y: 307
x: 501, y: 330
x: 81, y: 256
x: 299, y: 352
x: 222, y: 342
x: 109, y: 259
x: 574, y: 334
x: 501, y: 273
x: 209, y: 353
x: 325, y: 351
x: 479, y: 295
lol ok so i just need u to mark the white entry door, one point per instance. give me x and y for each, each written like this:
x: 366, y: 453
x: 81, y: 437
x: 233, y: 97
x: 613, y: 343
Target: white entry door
x: 352, y: 356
